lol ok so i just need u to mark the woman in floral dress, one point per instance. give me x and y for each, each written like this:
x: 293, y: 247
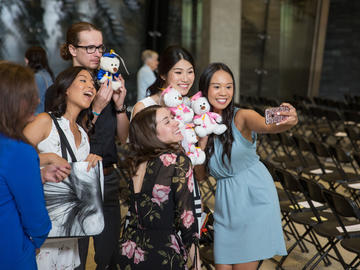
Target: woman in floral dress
x: 162, y: 229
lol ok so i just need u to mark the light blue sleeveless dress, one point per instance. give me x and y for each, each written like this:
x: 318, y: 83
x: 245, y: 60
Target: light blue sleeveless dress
x: 247, y: 214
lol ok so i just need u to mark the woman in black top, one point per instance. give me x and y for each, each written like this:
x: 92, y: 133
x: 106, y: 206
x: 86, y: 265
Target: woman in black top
x: 161, y: 201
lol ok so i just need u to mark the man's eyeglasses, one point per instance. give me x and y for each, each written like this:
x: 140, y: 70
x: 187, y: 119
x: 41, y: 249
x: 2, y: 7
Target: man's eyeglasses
x: 92, y: 48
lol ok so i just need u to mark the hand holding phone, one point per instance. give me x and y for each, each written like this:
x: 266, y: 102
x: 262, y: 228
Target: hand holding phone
x: 271, y: 116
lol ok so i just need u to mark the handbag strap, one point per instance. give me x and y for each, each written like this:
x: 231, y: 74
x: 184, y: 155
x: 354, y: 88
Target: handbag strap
x: 64, y: 143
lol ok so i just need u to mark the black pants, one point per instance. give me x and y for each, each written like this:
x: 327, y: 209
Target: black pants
x: 106, y: 244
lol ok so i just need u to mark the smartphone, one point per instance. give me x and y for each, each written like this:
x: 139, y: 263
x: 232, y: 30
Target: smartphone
x: 271, y: 116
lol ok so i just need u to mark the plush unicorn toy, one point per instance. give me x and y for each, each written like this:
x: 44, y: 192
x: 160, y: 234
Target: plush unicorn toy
x: 206, y: 122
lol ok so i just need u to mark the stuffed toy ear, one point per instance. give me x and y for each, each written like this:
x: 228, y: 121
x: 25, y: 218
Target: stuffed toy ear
x: 167, y: 90
x: 113, y: 53
x: 196, y: 96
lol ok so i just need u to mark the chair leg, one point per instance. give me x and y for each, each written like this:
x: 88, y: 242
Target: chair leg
x: 332, y: 246
x: 318, y: 247
x: 316, y: 255
x: 294, y: 232
x: 298, y: 239
x: 356, y: 265
x: 341, y: 259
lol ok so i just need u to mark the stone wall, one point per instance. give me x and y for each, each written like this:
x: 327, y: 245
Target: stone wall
x: 341, y: 65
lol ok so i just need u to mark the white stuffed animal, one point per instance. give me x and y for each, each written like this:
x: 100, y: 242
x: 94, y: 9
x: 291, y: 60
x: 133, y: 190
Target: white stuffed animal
x: 187, y: 101
x: 173, y: 99
x: 206, y: 122
x: 196, y: 155
x: 109, y: 69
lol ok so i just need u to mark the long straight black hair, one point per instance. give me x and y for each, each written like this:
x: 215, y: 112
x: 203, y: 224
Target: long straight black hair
x: 168, y: 59
x: 227, y: 137
x: 62, y: 82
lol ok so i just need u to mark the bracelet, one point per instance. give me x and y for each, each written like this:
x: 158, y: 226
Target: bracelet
x: 123, y: 109
x: 95, y: 113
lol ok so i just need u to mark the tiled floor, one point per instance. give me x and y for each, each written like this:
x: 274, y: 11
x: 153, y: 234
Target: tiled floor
x: 295, y: 261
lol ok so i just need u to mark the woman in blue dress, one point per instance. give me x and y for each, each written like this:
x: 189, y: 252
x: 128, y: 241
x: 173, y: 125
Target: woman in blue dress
x: 247, y: 223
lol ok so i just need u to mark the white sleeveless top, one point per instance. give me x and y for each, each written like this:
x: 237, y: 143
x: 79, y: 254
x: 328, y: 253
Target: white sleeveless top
x: 61, y: 253
x: 52, y: 143
x: 148, y: 101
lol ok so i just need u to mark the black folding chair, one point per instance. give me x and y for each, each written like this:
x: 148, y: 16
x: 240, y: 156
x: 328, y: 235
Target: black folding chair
x: 330, y: 231
x: 353, y: 136
x: 304, y: 214
x: 344, y: 208
x: 287, y: 208
x: 330, y: 174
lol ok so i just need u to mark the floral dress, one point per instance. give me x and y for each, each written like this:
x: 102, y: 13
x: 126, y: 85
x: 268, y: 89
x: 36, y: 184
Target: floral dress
x: 162, y: 225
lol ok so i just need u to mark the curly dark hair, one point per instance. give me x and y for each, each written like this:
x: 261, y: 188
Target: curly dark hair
x: 227, y: 137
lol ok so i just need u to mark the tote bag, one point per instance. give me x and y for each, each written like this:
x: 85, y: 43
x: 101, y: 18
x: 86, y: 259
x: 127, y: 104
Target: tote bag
x: 75, y: 204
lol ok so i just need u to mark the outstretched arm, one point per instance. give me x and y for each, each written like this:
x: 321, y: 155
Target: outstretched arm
x: 249, y: 120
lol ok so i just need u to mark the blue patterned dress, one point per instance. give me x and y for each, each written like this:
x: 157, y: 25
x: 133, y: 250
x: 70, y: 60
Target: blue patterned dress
x: 247, y: 214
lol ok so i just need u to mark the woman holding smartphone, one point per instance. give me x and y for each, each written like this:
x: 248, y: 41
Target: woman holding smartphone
x: 247, y: 215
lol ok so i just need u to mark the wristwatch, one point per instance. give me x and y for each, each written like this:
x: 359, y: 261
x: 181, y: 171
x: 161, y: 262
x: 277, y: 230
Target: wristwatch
x: 123, y: 109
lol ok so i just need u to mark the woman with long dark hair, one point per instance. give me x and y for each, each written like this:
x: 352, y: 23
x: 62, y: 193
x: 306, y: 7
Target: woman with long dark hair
x: 176, y: 68
x: 247, y: 216
x: 75, y: 91
x: 24, y: 221
x: 36, y: 59
x: 161, y: 200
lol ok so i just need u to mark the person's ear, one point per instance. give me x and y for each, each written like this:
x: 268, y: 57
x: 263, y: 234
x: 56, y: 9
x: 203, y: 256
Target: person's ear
x: 72, y: 50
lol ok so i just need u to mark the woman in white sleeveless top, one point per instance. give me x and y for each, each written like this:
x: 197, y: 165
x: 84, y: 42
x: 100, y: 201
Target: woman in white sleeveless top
x: 75, y: 93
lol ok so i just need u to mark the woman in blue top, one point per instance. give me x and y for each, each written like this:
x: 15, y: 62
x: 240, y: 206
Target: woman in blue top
x: 24, y: 221
x: 247, y: 216
x: 36, y: 59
